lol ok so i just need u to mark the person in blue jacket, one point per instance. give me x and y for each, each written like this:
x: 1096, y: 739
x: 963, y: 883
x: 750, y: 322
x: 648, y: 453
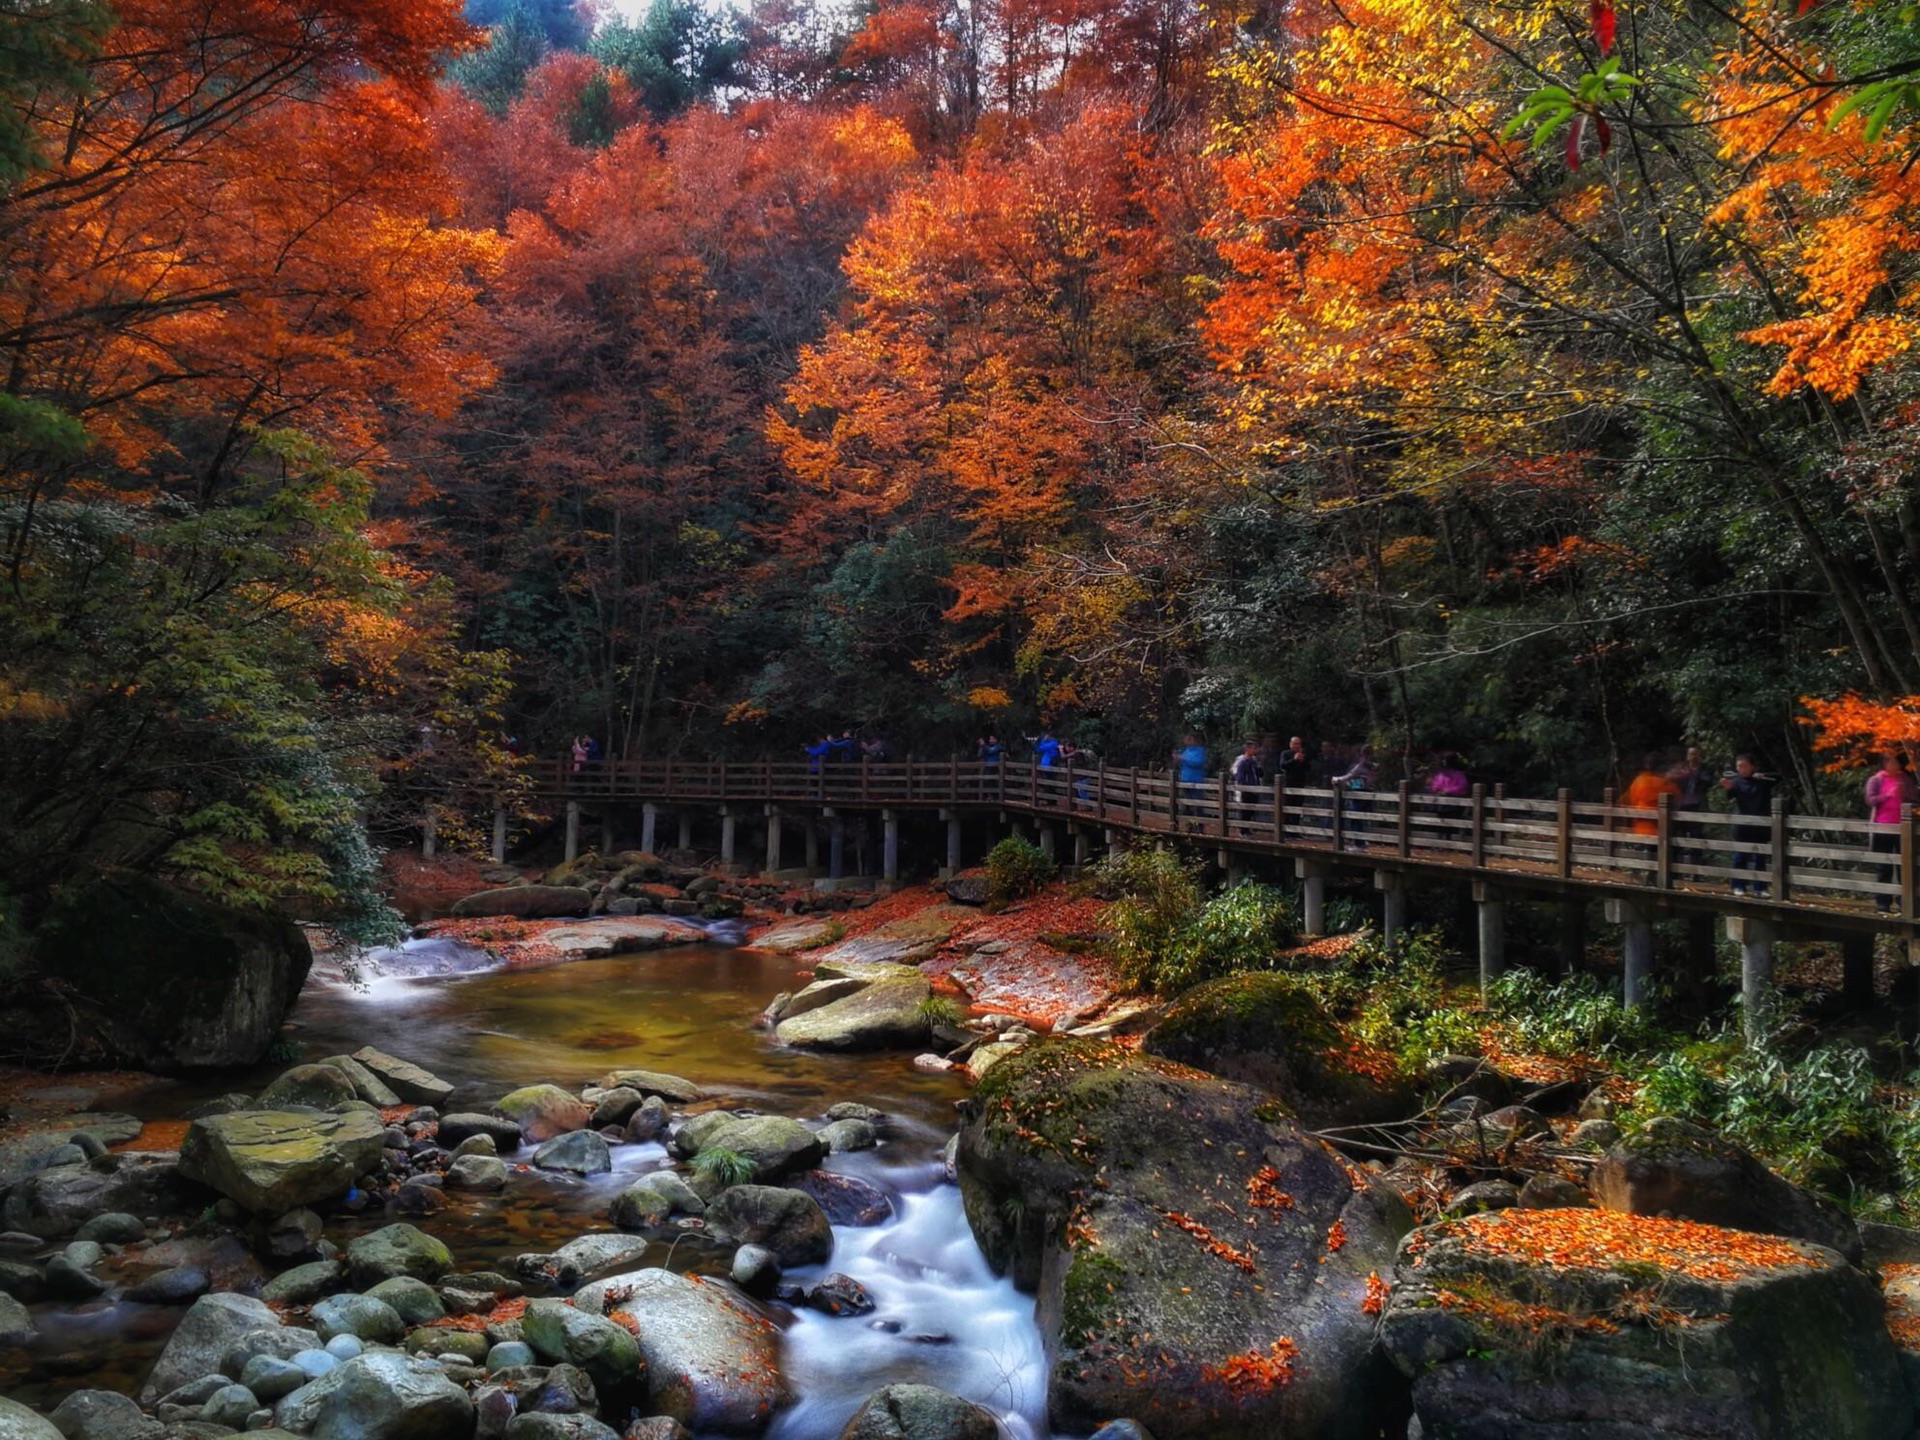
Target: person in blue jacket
x: 1047, y: 749
x: 817, y: 753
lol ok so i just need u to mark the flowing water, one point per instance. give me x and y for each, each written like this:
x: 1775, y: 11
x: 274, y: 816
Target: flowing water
x: 941, y: 1317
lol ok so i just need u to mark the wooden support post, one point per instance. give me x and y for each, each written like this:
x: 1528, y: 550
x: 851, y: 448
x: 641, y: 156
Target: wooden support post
x: 1491, y: 914
x: 1173, y: 801
x: 1313, y: 896
x: 864, y: 778
x: 1637, y: 949
x: 499, y: 834
x: 836, y: 846
x: 1393, y: 905
x: 1403, y: 833
x: 1479, y: 824
x: 1225, y: 804
x: 1910, y: 864
x: 952, y: 817
x: 1082, y: 847
x: 1133, y: 798
x: 1606, y: 806
x: 890, y: 846
x: 1100, y: 793
x: 607, y: 837
x: 1780, y: 857
x: 1856, y: 972
x: 573, y: 830
x: 1563, y: 834
x: 1663, y: 845
x: 728, y: 824
x: 1049, y: 844
x: 1755, y: 939
x: 1279, y: 808
x: 649, y: 827
x: 773, y: 839
x: 686, y: 829
x: 1339, y: 818
x: 810, y: 840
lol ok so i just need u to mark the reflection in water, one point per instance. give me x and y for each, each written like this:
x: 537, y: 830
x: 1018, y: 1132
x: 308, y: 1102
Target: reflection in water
x: 942, y: 1318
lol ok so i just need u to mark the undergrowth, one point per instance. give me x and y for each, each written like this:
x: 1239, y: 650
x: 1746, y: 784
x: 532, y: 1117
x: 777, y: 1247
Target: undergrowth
x: 1167, y: 937
x: 1016, y: 868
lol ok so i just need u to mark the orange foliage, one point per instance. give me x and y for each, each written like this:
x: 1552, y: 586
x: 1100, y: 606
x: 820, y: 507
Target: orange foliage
x: 1253, y: 1371
x: 1600, y: 1239
x: 1853, y: 729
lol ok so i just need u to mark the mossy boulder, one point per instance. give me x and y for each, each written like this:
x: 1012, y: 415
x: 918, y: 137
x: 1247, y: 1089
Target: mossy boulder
x: 772, y: 1144
x: 396, y: 1250
x: 1200, y: 1262
x: 1672, y: 1168
x: 543, y: 1111
x: 526, y: 902
x: 273, y: 1161
x: 1544, y: 1324
x: 884, y: 1011
x: 1262, y: 1029
x: 308, y: 1087
x: 168, y: 981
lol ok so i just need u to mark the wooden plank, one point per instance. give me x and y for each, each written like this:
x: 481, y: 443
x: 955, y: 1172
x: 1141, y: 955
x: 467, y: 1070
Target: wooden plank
x: 1563, y: 843
x: 1663, y: 843
x: 1479, y: 823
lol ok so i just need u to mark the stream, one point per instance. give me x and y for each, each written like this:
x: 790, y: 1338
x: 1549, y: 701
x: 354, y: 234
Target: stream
x: 942, y: 1318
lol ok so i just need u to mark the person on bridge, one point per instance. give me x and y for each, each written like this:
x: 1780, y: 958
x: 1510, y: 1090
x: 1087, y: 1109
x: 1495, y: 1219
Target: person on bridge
x: 1890, y: 792
x: 990, y: 751
x: 1246, y: 772
x: 1692, y: 782
x: 1046, y: 748
x: 1354, y: 780
x: 1190, y: 771
x: 818, y: 752
x: 1449, y: 782
x: 1295, y: 768
x: 1752, y: 794
x: 874, y: 749
x: 841, y: 748
x: 579, y: 753
x: 1645, y: 792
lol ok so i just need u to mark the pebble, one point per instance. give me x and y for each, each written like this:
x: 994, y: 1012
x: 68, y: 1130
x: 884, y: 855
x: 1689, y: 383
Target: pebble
x: 314, y: 1363
x: 508, y: 1353
x: 230, y: 1405
x: 932, y: 1064
x: 345, y: 1347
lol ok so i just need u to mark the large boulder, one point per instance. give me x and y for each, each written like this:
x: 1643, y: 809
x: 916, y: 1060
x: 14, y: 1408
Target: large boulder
x: 310, y: 1087
x: 1262, y: 1029
x: 412, y: 1084
x: 396, y: 1250
x: 103, y: 1415
x: 382, y: 1395
x: 1673, y: 1168
x: 199, y: 1344
x: 713, y: 1362
x: 17, y: 1422
x: 847, y: 1199
x: 16, y: 1325
x: 543, y: 1111
x: 773, y: 1144
x: 919, y: 1412
x: 169, y: 981
x: 561, y: 1332
x: 1202, y: 1263
x: 786, y: 1222
x: 527, y: 902
x: 1544, y: 1324
x: 60, y: 1199
x: 273, y: 1161
x: 505, y: 1134
x: 885, y: 1011
x: 579, y: 1152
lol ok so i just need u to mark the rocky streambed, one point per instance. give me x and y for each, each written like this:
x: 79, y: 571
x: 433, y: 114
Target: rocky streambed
x: 597, y: 1201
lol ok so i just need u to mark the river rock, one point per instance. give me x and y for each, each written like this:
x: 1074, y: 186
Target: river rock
x: 17, y: 1422
x: 786, y: 1222
x: 773, y: 1144
x: 847, y: 1199
x: 657, y: 1427
x: 396, y: 1250
x: 361, y: 1316
x: 616, y: 1106
x: 1263, y: 1030
x: 230, y: 1406
x: 580, y: 1152
x: 839, y: 1294
x: 103, y: 1415
x: 1122, y: 1430
x: 543, y: 1111
x: 1176, y: 1226
x: 16, y: 1324
x: 69, y: 1279
x: 538, y: 1425
x: 1540, y: 1324
x: 640, y: 1207
x: 618, y: 935
x: 272, y: 1161
x: 116, y: 1227
x: 756, y: 1270
x: 170, y: 981
x: 410, y: 1082
x: 379, y: 1396
x: 199, y: 1344
x: 414, y: 1301
x: 844, y: 1135
x: 527, y: 902
x: 480, y: 1174
x: 712, y: 1363
x: 796, y: 936
x: 885, y: 1012
x: 304, y: 1284
x: 307, y: 1087
x: 597, y: 1254
x: 21, y: 1281
x: 671, y: 1088
x: 367, y: 1085
x: 271, y: 1378
x: 1672, y: 1168
x: 177, y: 1285
x: 558, y: 1331
x: 648, y: 1122
x: 60, y: 1199
x: 455, y: 1129
x: 919, y: 1412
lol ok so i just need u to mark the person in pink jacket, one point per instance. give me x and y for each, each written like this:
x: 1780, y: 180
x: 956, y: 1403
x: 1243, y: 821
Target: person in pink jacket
x: 1890, y: 790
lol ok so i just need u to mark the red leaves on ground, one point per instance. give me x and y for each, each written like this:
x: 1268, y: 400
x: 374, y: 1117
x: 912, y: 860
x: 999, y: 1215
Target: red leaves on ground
x: 1376, y: 1299
x: 1255, y: 1370
x: 1601, y: 1239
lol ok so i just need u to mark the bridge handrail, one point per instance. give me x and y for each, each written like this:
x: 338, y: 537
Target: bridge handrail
x: 1817, y: 862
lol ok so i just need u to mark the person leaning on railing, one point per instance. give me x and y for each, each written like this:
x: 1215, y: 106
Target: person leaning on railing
x: 1890, y: 792
x: 1752, y: 794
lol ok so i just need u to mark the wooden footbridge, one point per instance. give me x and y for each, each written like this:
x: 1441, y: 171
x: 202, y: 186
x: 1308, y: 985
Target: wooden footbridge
x: 1778, y: 877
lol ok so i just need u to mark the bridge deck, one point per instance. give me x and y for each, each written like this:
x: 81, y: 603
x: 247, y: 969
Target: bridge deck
x: 1828, y: 873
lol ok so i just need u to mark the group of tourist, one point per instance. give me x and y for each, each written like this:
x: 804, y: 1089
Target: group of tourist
x: 846, y: 748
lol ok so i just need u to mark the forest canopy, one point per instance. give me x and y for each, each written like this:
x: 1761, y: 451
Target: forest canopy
x: 385, y: 378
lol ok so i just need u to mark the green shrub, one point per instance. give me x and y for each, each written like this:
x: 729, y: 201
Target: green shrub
x: 723, y: 1167
x: 1016, y: 868
x: 938, y: 1010
x: 1575, y: 1016
x: 1168, y: 937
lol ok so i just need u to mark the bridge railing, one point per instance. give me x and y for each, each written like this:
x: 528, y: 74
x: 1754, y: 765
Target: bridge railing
x: 1815, y: 861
